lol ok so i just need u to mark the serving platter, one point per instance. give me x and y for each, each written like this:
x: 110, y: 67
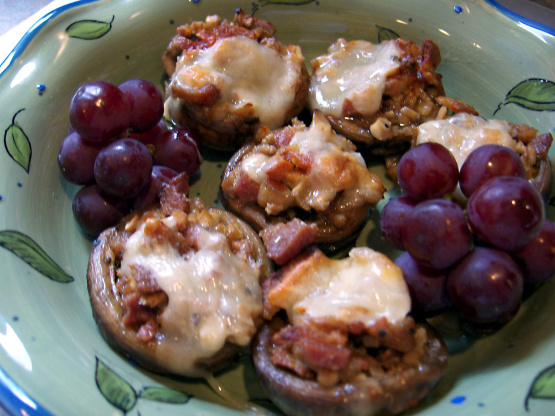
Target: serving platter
x: 53, y: 359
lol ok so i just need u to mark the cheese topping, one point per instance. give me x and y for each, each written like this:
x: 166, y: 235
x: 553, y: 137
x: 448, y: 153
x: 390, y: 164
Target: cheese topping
x: 334, y: 166
x: 364, y: 287
x: 355, y: 71
x: 463, y: 133
x: 246, y: 74
x: 214, y: 295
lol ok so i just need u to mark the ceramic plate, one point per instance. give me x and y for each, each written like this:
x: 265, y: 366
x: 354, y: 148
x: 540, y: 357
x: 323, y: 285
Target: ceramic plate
x: 52, y: 357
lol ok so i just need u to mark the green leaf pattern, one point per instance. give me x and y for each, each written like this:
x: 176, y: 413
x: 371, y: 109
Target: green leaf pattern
x: 114, y: 388
x: 121, y: 394
x: 89, y: 29
x: 164, y: 395
x: 31, y: 253
x: 543, y: 386
x: 386, y: 34
x: 17, y: 144
x: 535, y: 94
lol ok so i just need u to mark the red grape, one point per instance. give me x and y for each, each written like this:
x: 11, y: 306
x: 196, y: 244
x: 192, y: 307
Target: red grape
x: 123, y: 168
x: 537, y: 258
x: 94, y: 210
x: 76, y: 159
x: 506, y: 212
x: 436, y: 233
x: 99, y: 111
x: 150, y: 194
x: 151, y: 136
x: 486, y: 286
x: 177, y: 149
x: 426, y: 286
x: 147, y: 104
x: 392, y: 219
x: 486, y: 162
x: 428, y: 171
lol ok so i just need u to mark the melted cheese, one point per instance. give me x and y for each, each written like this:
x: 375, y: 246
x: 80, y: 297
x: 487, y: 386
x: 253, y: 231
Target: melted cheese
x: 335, y: 166
x: 355, y: 71
x: 463, y: 133
x: 247, y: 74
x: 214, y: 295
x: 364, y: 287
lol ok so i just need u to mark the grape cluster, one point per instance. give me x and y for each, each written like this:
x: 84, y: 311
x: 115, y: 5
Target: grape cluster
x: 476, y: 260
x: 121, y: 150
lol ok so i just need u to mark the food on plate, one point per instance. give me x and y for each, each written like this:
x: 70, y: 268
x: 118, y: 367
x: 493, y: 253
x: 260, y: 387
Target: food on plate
x: 485, y: 257
x: 177, y: 287
x: 120, y: 149
x: 307, y: 172
x: 339, y: 338
x: 227, y: 79
x: 463, y: 132
x: 377, y: 94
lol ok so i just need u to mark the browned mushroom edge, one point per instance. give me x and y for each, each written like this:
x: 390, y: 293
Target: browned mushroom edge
x: 362, y: 397
x: 107, y: 308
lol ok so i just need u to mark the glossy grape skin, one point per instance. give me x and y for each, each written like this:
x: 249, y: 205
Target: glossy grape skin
x: 123, y: 168
x: 506, y: 212
x: 486, y: 162
x: 426, y: 286
x: 146, y: 101
x: 76, y: 158
x: 150, y: 194
x: 436, y: 233
x: 392, y: 219
x: 486, y: 286
x: 94, y: 210
x: 428, y: 171
x: 151, y: 136
x: 177, y: 149
x: 99, y: 111
x: 537, y: 258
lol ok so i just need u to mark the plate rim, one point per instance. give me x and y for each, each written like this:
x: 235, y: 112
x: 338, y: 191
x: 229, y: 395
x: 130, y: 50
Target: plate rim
x: 13, y: 398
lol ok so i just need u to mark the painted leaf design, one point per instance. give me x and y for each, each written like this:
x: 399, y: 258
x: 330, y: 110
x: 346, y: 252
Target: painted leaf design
x: 533, y: 94
x: 543, y: 386
x: 115, y: 389
x: 17, y: 144
x: 164, y: 395
x: 31, y: 253
x: 89, y: 29
x: 386, y: 34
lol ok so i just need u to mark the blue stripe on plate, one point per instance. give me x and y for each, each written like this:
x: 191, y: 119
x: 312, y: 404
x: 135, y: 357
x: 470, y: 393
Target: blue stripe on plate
x: 30, y: 34
x: 519, y: 18
x: 15, y: 401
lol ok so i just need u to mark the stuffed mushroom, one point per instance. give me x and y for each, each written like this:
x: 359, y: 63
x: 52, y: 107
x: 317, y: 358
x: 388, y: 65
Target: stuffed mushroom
x: 339, y: 340
x: 229, y: 78
x: 305, y: 172
x: 177, y: 288
x: 377, y: 94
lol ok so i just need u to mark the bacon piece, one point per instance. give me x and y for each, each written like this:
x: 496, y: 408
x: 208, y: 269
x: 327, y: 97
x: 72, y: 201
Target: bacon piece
x: 245, y: 188
x: 542, y: 143
x: 134, y: 312
x: 456, y: 106
x: 316, y: 349
x: 174, y: 195
x: 147, y: 331
x: 284, y: 241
